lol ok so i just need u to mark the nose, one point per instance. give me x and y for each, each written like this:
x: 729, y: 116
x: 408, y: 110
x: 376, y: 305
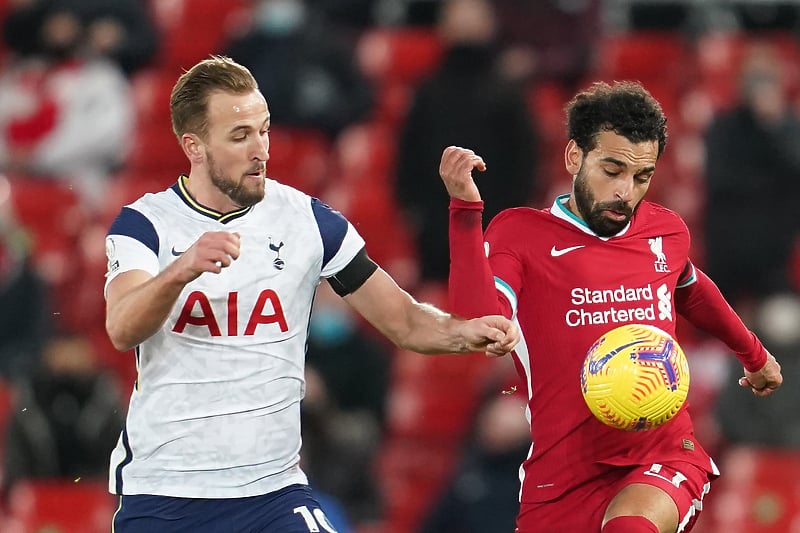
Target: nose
x: 624, y: 190
x: 261, y: 147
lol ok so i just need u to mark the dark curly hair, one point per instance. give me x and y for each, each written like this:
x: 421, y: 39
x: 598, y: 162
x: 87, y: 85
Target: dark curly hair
x: 625, y: 107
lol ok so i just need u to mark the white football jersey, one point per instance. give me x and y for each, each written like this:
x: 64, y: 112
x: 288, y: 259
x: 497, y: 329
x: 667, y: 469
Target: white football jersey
x: 215, y: 412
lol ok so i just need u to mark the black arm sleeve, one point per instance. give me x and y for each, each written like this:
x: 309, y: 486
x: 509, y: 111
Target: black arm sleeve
x: 353, y: 276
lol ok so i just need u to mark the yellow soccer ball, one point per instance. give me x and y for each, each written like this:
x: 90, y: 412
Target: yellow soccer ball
x: 635, y: 377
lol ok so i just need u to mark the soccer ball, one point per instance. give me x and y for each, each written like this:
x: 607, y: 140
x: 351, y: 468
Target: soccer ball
x: 635, y: 377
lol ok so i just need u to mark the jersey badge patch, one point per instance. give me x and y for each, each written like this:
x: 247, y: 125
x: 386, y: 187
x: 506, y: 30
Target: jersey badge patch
x: 657, y: 247
x: 277, y: 262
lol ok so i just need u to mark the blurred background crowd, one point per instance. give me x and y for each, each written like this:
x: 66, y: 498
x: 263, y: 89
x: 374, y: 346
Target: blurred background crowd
x: 364, y: 95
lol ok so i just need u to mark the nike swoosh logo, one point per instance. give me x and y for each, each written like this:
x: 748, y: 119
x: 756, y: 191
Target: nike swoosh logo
x: 176, y: 252
x: 555, y: 252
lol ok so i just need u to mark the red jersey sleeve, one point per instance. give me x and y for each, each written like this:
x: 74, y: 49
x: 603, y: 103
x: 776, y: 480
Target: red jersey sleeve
x: 472, y: 290
x: 699, y: 300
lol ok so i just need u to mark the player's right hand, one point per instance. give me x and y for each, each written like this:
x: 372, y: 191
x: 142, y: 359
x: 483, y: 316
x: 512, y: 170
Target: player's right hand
x: 765, y: 381
x: 456, y: 169
x: 495, y: 335
x: 212, y: 252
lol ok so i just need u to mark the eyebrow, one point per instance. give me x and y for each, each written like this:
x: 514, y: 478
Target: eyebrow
x: 621, y: 163
x: 247, y: 127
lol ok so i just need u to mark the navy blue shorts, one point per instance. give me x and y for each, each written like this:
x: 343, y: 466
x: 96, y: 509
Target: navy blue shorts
x: 289, y: 510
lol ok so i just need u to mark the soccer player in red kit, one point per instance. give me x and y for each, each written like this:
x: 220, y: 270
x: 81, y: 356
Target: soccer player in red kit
x: 598, y: 258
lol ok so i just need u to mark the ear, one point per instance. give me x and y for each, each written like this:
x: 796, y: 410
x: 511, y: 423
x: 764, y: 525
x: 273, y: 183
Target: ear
x: 573, y: 156
x: 193, y: 148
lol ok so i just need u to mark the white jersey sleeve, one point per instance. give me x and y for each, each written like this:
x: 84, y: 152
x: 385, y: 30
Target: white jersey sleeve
x: 340, y: 239
x: 128, y: 249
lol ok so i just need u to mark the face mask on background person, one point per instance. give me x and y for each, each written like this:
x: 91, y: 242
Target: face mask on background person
x: 280, y: 17
x: 329, y: 326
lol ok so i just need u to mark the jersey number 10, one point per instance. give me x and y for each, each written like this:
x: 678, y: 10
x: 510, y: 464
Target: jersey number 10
x: 315, y: 519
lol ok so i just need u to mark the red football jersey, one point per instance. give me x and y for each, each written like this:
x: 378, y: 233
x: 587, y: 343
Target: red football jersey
x: 565, y: 286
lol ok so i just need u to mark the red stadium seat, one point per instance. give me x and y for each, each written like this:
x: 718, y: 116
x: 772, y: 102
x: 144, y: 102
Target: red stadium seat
x: 659, y: 60
x: 365, y: 153
x: 759, y: 491
x: 404, y: 55
x: 298, y: 157
x: 546, y: 103
x: 397, y: 59
x: 156, y: 152
x: 435, y: 398
x: 412, y: 472
x: 371, y: 208
x: 720, y: 55
x: 63, y: 506
x: 154, y: 149
x: 6, y: 407
x: 130, y: 185
x: 151, y: 90
x: 393, y: 100
x: 642, y: 55
x: 194, y: 29
x: 53, y: 215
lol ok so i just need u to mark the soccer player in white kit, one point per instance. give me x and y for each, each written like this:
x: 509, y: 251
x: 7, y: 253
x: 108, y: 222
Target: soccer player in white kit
x: 211, y: 282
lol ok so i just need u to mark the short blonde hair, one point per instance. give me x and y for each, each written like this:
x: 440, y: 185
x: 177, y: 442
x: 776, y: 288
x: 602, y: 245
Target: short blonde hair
x: 188, y: 103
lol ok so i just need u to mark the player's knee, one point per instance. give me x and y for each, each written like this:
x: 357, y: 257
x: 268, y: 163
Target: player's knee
x: 645, y: 503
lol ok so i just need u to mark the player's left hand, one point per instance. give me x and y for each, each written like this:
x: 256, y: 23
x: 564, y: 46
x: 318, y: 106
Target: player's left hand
x: 456, y: 169
x: 765, y: 381
x: 495, y: 335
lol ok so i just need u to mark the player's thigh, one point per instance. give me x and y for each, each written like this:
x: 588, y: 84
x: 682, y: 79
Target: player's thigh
x: 289, y: 510
x: 670, y: 495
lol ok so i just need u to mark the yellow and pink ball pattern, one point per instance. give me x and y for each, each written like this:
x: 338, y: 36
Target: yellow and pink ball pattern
x: 635, y: 377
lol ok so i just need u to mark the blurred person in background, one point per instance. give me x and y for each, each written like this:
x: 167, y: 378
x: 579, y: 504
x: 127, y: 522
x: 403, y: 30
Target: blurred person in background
x: 347, y: 378
x: 307, y: 72
x: 353, y: 363
x: 349, y: 17
x: 549, y: 40
x: 64, y: 115
x: 753, y: 185
x: 772, y: 422
x: 767, y: 16
x: 25, y: 320
x: 337, y: 457
x: 67, y: 416
x: 466, y: 101
x: 482, y: 495
x: 697, y: 17
x: 119, y: 30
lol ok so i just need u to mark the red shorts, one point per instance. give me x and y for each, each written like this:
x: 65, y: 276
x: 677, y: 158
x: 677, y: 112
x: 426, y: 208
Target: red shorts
x: 582, y: 508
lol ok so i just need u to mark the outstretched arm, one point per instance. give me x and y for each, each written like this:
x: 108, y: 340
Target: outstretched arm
x: 423, y: 328
x: 703, y: 305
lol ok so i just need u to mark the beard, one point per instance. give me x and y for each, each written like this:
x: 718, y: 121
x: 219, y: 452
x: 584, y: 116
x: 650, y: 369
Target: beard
x: 592, y: 212
x: 236, y: 191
